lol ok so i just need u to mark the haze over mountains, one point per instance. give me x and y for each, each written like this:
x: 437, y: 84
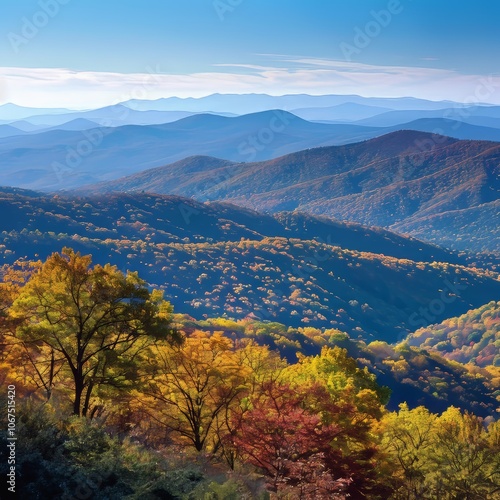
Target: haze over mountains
x: 402, y: 176
x: 77, y: 153
x: 60, y: 159
x: 422, y: 182
x: 249, y: 103
x: 331, y: 108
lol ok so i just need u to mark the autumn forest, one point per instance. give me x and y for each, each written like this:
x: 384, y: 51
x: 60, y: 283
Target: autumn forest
x: 249, y: 250
x: 122, y: 398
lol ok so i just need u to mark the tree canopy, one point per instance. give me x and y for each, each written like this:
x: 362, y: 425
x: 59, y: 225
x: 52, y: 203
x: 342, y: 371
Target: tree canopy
x: 87, y: 327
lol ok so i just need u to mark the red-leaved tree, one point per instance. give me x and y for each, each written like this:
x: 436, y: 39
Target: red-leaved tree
x: 283, y: 434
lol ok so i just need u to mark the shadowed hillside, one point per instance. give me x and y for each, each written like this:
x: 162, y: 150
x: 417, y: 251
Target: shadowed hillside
x: 433, y: 186
x: 220, y: 259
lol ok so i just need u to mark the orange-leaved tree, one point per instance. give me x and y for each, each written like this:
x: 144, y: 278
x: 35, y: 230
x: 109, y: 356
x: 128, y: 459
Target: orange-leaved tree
x: 194, y: 385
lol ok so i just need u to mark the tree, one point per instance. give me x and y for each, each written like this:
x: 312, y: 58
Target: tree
x: 96, y: 321
x: 193, y: 385
x: 354, y: 403
x: 285, y: 437
x: 451, y: 456
x: 345, y: 381
x: 407, y: 437
x: 13, y: 278
x: 261, y: 366
x: 466, y: 456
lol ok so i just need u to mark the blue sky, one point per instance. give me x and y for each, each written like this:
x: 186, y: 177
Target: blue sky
x: 75, y: 54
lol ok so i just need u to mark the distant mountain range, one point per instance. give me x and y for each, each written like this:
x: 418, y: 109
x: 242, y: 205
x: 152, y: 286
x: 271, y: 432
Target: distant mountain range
x: 12, y: 112
x: 366, y: 111
x: 433, y: 186
x: 219, y: 259
x: 76, y: 153
x: 435, y: 177
x: 112, y: 116
x: 332, y: 108
x: 60, y: 159
x: 250, y: 103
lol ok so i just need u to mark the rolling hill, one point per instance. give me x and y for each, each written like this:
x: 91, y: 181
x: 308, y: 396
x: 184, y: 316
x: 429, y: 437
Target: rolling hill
x: 60, y: 159
x: 441, y: 189
x: 479, y: 115
x: 110, y: 116
x: 451, y: 128
x: 74, y: 153
x: 9, y: 131
x: 416, y: 376
x: 473, y: 337
x: 216, y: 259
x: 346, y: 112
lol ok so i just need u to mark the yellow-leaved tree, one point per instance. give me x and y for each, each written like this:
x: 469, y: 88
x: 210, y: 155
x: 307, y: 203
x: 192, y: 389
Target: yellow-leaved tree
x: 86, y: 328
x: 194, y: 385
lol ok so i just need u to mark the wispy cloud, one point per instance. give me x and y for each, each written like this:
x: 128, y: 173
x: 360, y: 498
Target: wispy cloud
x: 281, y: 75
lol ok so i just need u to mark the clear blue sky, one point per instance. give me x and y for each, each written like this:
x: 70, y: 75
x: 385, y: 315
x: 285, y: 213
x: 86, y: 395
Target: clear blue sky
x: 186, y: 37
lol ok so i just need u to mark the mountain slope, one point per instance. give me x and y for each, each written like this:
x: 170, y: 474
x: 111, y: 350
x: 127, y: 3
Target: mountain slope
x: 9, y: 131
x: 451, y: 128
x: 72, y: 154
x: 346, y: 112
x: 410, y: 181
x: 473, y: 228
x: 76, y: 124
x: 218, y: 259
x: 415, y: 376
x: 111, y: 116
x: 473, y: 337
x: 482, y: 114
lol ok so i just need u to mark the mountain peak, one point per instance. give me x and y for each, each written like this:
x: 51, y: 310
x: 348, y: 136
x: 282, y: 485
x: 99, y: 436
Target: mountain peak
x: 411, y: 141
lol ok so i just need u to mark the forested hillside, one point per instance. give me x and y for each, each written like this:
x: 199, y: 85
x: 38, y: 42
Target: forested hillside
x: 218, y: 259
x: 473, y: 337
x: 436, y: 187
x: 119, y: 398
